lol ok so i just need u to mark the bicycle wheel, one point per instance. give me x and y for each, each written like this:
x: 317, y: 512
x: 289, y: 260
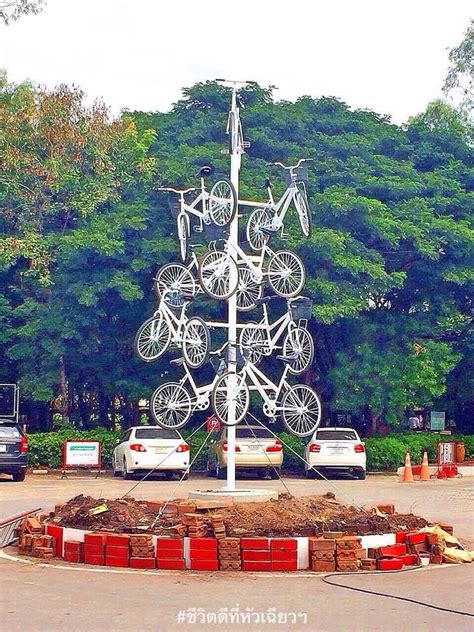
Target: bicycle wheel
x: 251, y: 342
x: 221, y: 398
x: 299, y: 343
x: 222, y: 202
x: 173, y: 282
x: 171, y: 406
x: 182, y: 222
x: 248, y: 290
x: 258, y: 219
x: 196, y: 342
x: 304, y: 213
x: 218, y: 274
x: 301, y: 410
x: 152, y: 339
x: 286, y: 273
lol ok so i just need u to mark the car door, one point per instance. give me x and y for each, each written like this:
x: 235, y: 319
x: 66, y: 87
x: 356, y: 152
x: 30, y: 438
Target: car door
x: 119, y: 452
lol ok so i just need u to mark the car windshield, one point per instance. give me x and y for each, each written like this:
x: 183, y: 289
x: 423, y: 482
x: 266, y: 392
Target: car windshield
x: 336, y: 435
x: 156, y: 433
x: 250, y: 433
x: 9, y: 432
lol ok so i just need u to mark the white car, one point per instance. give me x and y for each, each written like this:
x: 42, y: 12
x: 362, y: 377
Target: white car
x: 144, y: 448
x: 336, y: 450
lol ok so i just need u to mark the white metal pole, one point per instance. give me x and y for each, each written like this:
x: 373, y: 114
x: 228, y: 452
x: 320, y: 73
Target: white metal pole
x: 235, y: 159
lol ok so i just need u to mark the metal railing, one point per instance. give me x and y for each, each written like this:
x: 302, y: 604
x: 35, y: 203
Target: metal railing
x: 8, y: 527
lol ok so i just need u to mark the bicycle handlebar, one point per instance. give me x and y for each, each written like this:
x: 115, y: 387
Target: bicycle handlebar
x: 178, y: 191
x: 280, y: 164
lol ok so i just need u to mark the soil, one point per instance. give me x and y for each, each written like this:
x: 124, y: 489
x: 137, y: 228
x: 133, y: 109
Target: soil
x: 287, y: 516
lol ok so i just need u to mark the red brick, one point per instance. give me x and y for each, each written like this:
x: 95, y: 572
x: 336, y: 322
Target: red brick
x: 175, y: 565
x: 282, y: 555
x: 401, y: 536
x: 203, y: 554
x: 286, y: 544
x: 255, y: 543
x: 97, y: 539
x: 73, y: 546
x: 386, y: 508
x: 113, y: 560
x: 142, y: 562
x: 410, y: 559
x: 57, y: 533
x: 333, y: 535
x: 348, y: 543
x: 204, y: 565
x: 256, y: 566
x: 70, y: 556
x: 284, y: 566
x: 168, y: 554
x: 347, y: 567
x: 249, y: 555
x: 326, y: 556
x: 416, y: 538
x: 94, y: 559
x: 321, y: 544
x: 117, y: 551
x: 94, y: 549
x: 208, y: 544
x: 393, y: 564
x: 319, y: 566
x: 394, y: 550
x: 117, y: 540
x: 169, y: 543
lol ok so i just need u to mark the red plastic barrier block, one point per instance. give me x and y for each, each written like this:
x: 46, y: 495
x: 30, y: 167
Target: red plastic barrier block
x: 117, y: 551
x: 169, y: 554
x: 203, y: 554
x: 255, y: 543
x: 253, y: 555
x: 94, y: 549
x: 113, y: 560
x: 393, y: 550
x: 286, y: 544
x: 97, y: 539
x: 284, y: 566
x: 416, y: 538
x: 73, y: 546
x: 57, y: 533
x: 204, y: 565
x: 410, y: 560
x: 207, y: 544
x: 117, y: 540
x: 142, y: 562
x: 71, y: 556
x: 392, y: 564
x: 256, y: 566
x: 170, y: 565
x: 169, y: 543
x: 401, y: 536
x: 282, y: 555
x: 94, y: 559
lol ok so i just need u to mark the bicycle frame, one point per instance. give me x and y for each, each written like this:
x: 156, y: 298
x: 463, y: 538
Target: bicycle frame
x: 175, y: 323
x: 263, y: 385
x: 201, y: 395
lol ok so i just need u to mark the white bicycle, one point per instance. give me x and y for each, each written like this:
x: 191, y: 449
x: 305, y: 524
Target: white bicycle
x: 218, y: 206
x: 261, y: 339
x: 299, y: 406
x: 221, y: 272
x: 270, y: 218
x: 165, y: 328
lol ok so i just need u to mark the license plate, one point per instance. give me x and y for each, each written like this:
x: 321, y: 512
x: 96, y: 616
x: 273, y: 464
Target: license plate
x: 161, y: 450
x: 254, y: 448
x: 3, y: 447
x: 338, y: 450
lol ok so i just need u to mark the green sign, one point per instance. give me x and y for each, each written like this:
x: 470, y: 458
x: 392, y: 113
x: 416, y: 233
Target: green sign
x: 437, y: 420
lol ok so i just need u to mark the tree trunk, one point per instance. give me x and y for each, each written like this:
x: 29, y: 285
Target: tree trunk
x: 375, y: 417
x: 63, y: 394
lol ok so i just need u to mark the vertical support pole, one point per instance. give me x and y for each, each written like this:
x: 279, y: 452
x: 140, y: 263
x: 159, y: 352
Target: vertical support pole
x: 235, y: 160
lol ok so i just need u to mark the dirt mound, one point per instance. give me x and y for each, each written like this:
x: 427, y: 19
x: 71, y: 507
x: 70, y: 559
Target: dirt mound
x: 287, y: 516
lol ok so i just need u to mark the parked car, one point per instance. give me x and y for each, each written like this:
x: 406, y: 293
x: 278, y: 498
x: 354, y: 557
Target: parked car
x: 144, y: 448
x: 335, y: 450
x: 13, y: 450
x: 256, y: 450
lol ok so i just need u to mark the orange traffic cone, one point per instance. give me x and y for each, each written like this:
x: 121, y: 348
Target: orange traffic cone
x: 425, y: 470
x: 407, y: 476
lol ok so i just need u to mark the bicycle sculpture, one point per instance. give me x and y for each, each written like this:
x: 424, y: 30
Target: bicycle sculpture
x: 225, y: 271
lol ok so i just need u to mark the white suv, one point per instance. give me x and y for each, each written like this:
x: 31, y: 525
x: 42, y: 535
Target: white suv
x: 145, y: 448
x: 336, y: 450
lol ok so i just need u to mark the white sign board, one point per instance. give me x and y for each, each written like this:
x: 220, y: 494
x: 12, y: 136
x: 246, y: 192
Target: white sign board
x: 81, y: 453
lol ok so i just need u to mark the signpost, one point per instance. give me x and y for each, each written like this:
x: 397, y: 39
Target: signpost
x: 9, y: 401
x: 81, y: 453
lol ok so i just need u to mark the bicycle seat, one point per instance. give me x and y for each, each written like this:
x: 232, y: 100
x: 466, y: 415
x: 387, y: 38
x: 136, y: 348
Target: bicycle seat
x: 287, y: 359
x: 264, y: 299
x: 269, y: 230
x: 205, y: 171
x: 267, y: 183
x: 194, y: 246
x: 177, y: 361
x: 187, y: 297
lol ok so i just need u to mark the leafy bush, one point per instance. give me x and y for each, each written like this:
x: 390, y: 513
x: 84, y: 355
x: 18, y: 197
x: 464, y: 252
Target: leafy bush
x: 383, y: 453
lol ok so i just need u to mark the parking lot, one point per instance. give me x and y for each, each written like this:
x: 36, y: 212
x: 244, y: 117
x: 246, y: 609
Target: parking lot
x: 90, y: 598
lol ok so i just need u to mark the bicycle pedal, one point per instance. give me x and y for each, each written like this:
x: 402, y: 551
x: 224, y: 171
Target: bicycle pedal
x: 245, y: 144
x: 197, y: 229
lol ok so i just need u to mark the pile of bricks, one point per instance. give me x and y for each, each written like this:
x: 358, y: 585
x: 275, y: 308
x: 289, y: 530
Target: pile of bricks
x: 203, y: 554
x: 73, y: 551
x: 322, y: 554
x: 197, y: 527
x: 230, y: 558
x: 142, y: 554
x: 349, y: 553
x: 217, y: 522
x: 94, y: 548
x: 170, y: 554
x: 33, y: 541
x: 117, y: 550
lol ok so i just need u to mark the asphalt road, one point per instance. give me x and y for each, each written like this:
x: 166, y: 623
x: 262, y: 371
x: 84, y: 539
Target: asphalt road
x: 36, y: 598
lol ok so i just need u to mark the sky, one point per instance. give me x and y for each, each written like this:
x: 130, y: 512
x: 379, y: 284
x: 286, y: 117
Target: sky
x: 390, y: 57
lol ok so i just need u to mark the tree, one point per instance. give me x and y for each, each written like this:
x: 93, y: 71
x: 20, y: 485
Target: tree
x: 11, y: 10
x: 460, y: 77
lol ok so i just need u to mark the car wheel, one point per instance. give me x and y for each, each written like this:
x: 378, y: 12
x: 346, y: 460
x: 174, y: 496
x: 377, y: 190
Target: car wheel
x: 19, y: 476
x: 361, y: 475
x: 264, y: 472
x: 115, y: 470
x: 126, y: 475
x: 169, y: 475
x: 310, y: 473
x: 275, y: 473
x: 221, y: 472
x: 185, y: 476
